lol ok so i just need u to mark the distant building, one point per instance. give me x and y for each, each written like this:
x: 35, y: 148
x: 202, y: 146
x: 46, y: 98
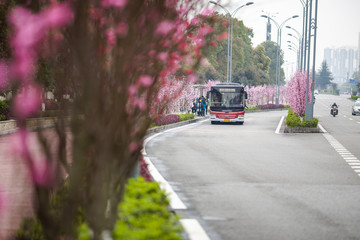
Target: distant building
x: 342, y: 62
x: 358, y: 54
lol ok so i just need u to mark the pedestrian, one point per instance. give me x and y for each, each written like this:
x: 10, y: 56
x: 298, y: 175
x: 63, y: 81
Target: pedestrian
x: 193, y: 109
x: 204, y: 107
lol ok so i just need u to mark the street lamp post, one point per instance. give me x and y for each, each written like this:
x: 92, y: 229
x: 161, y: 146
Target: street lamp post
x: 301, y: 45
x: 279, y: 28
x: 309, y: 106
x: 230, y: 36
x: 296, y: 47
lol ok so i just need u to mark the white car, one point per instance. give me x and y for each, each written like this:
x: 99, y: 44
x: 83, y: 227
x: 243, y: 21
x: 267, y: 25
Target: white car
x: 316, y: 92
x: 356, y: 108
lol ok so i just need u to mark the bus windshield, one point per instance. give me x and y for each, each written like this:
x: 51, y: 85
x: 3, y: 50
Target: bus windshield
x: 226, y: 97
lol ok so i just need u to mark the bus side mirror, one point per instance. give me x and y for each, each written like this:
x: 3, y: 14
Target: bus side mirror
x: 246, y: 96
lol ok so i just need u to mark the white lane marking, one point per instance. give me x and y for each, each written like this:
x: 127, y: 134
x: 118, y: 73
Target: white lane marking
x: 191, y: 226
x: 194, y: 229
x: 354, y: 164
x: 322, y: 129
x: 358, y: 122
x: 279, y: 125
x: 344, y: 116
x: 351, y: 119
x: 349, y: 158
x: 175, y: 201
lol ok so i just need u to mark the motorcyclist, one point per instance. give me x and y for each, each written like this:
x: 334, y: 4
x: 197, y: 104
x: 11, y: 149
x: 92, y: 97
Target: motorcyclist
x: 334, y: 105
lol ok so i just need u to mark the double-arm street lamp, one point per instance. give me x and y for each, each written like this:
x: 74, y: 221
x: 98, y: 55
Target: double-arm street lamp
x: 301, y: 46
x: 230, y: 37
x: 278, y: 65
x: 297, y: 48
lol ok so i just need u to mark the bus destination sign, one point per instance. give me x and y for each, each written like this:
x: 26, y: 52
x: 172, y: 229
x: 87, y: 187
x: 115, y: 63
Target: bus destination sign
x: 227, y: 90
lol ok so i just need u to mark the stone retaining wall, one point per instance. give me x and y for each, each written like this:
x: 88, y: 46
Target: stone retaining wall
x: 10, y: 126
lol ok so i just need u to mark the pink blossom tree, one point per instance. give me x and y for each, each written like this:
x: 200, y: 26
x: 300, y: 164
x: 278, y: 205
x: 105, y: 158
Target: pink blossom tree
x: 296, y: 93
x: 114, y: 58
x: 262, y: 95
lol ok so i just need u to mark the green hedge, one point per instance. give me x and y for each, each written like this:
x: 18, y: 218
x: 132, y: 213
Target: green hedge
x: 186, y: 116
x: 355, y: 97
x: 144, y: 214
x: 4, y: 110
x: 294, y: 121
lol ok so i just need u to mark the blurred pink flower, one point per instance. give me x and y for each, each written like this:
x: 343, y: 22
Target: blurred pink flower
x: 192, y: 78
x: 114, y: 3
x: 4, y: 75
x: 43, y: 172
x: 146, y: 80
x: 133, y: 146
x: 27, y: 102
x: 139, y: 103
x: 122, y: 29
x: 163, y: 56
x: 19, y: 143
x: 132, y: 90
x: 164, y: 27
x: 111, y: 37
x: 207, y: 12
x: 57, y: 15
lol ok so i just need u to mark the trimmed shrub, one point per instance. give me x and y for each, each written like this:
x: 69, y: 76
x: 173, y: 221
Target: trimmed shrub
x: 144, y: 214
x: 294, y: 121
x: 270, y: 106
x: 252, y: 108
x: 31, y: 229
x: 355, y: 97
x: 4, y: 110
x: 186, y: 116
x: 167, y: 119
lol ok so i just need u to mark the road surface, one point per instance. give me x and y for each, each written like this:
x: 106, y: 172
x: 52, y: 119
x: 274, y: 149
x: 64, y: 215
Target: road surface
x: 247, y: 182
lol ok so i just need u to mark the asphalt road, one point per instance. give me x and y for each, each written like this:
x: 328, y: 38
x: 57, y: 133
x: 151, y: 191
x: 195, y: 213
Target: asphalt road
x: 247, y: 182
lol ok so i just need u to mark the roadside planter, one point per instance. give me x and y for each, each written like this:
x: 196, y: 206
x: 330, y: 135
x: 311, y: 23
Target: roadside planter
x: 302, y: 130
x: 295, y: 124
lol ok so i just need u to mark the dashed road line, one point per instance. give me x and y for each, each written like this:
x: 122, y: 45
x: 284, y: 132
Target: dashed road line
x: 349, y: 158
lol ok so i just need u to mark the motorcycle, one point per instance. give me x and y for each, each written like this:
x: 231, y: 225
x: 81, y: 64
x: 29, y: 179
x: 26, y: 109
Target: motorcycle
x: 334, y: 110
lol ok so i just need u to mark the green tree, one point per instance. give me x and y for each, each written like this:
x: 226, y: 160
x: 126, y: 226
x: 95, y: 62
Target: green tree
x: 356, y: 76
x: 323, y: 77
x: 249, y: 66
x: 270, y: 51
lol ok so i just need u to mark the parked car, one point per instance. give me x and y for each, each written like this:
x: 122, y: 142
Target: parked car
x: 356, y: 108
x: 316, y: 92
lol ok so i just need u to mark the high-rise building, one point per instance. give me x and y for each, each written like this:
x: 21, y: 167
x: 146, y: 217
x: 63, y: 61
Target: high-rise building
x: 342, y: 62
x: 358, y: 62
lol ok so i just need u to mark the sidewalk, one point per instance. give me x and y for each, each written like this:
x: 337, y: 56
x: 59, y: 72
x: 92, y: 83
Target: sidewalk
x: 15, y: 184
x: 15, y: 189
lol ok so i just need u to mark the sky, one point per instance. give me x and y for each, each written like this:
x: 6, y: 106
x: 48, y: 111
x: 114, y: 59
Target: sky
x: 338, y: 23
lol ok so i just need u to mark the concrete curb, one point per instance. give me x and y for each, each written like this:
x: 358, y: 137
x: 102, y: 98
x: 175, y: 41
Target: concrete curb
x: 173, y: 125
x: 302, y: 130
